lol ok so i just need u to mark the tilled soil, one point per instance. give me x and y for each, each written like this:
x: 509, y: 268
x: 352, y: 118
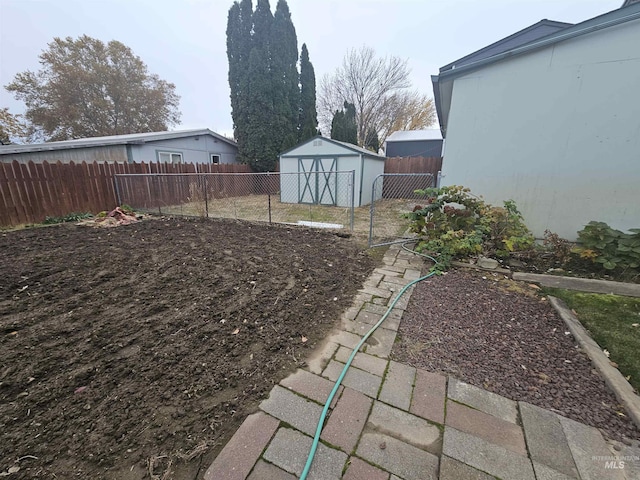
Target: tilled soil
x: 499, y: 335
x: 135, y: 352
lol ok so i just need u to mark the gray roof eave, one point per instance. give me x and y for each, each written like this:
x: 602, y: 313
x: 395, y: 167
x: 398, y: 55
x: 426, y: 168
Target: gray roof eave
x: 106, y: 141
x: 610, y: 19
x: 588, y: 26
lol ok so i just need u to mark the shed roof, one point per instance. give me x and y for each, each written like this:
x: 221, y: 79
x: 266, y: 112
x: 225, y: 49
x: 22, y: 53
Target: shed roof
x: 350, y: 146
x: 415, y: 135
x: 128, y: 139
x: 443, y: 83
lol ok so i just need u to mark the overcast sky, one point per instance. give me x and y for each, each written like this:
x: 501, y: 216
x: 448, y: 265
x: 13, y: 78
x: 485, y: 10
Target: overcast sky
x: 183, y: 41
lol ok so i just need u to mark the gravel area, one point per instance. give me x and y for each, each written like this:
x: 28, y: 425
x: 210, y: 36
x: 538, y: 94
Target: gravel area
x: 497, y: 334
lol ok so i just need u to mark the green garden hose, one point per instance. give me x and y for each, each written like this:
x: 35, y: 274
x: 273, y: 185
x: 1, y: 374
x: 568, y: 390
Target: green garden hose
x: 325, y: 410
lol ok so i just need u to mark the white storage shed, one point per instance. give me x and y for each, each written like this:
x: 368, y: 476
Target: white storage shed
x: 310, y: 173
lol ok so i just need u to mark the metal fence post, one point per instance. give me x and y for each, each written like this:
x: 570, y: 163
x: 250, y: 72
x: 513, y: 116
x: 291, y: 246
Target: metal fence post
x: 115, y: 184
x: 157, y: 192
x: 206, y: 199
x: 372, y: 209
x: 353, y: 197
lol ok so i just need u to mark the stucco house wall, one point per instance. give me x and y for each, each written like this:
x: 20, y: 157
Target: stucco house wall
x: 567, y: 119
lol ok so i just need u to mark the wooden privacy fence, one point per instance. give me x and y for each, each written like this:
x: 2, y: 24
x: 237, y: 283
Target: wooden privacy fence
x: 29, y: 192
x: 413, y: 165
x: 399, y: 187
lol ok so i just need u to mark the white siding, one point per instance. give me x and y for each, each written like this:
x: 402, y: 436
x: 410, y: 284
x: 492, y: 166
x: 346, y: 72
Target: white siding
x: 372, y: 168
x: 347, y: 164
x: 292, y: 186
x: 556, y: 130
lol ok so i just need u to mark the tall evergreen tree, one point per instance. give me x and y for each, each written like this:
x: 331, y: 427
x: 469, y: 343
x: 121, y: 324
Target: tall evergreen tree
x: 371, y: 141
x: 308, y: 126
x: 284, y: 69
x: 239, y: 27
x: 343, y: 126
x: 260, y: 148
x: 263, y: 76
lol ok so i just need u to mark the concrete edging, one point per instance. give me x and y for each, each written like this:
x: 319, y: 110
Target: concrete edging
x: 612, y: 376
x: 582, y: 284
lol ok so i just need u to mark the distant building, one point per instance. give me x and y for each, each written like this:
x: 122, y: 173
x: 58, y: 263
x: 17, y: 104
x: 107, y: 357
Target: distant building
x: 186, y: 146
x: 414, y: 143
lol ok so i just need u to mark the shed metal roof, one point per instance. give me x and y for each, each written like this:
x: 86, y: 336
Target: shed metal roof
x: 443, y: 83
x: 128, y: 139
x: 415, y: 135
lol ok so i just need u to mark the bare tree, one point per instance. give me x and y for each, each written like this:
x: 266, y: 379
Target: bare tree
x: 379, y: 89
x: 405, y: 110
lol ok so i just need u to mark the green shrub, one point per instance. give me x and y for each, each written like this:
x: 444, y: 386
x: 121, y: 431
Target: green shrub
x: 71, y: 217
x: 455, y: 224
x: 611, y: 248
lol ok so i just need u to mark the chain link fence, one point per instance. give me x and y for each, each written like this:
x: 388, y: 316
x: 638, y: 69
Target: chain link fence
x: 315, y: 199
x: 394, y: 194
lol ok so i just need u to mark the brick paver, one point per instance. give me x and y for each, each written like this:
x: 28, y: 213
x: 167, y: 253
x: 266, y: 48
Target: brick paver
x: 360, y: 470
x: 347, y: 339
x: 546, y: 439
x: 368, y: 317
x: 483, y: 400
x: 404, y: 426
x: 347, y: 420
x: 264, y: 471
x: 485, y: 456
x: 380, y: 343
x: 490, y: 428
x: 359, y: 380
x: 237, y: 458
x: 402, y: 459
x: 429, y: 396
x: 311, y: 386
x: 398, y: 385
x: 365, y: 362
x: 376, y: 292
x: 586, y: 444
x: 293, y: 409
x: 321, y: 358
x: 289, y: 450
x: 452, y: 469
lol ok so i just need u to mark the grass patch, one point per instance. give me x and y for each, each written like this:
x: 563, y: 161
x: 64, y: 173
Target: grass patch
x: 388, y: 224
x: 610, y: 319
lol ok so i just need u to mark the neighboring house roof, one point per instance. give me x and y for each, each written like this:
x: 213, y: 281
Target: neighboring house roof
x: 629, y: 2
x: 443, y: 83
x: 415, y: 135
x: 533, y: 32
x: 129, y: 139
x: 350, y: 146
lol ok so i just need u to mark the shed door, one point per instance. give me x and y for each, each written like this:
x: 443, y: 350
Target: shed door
x: 317, y: 181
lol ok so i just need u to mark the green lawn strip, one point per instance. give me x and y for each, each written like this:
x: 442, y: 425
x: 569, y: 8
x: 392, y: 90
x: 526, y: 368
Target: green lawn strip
x: 610, y: 320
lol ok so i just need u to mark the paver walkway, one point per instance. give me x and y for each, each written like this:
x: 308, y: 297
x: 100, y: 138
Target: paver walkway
x: 390, y: 421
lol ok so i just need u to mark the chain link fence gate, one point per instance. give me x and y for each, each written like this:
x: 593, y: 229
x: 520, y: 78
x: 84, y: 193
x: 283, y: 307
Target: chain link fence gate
x: 392, y: 195
x: 315, y: 199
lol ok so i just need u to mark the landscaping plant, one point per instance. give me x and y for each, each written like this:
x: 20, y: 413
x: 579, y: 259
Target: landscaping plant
x: 611, y: 248
x: 455, y: 224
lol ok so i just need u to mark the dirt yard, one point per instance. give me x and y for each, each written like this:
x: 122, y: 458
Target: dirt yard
x: 135, y: 351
